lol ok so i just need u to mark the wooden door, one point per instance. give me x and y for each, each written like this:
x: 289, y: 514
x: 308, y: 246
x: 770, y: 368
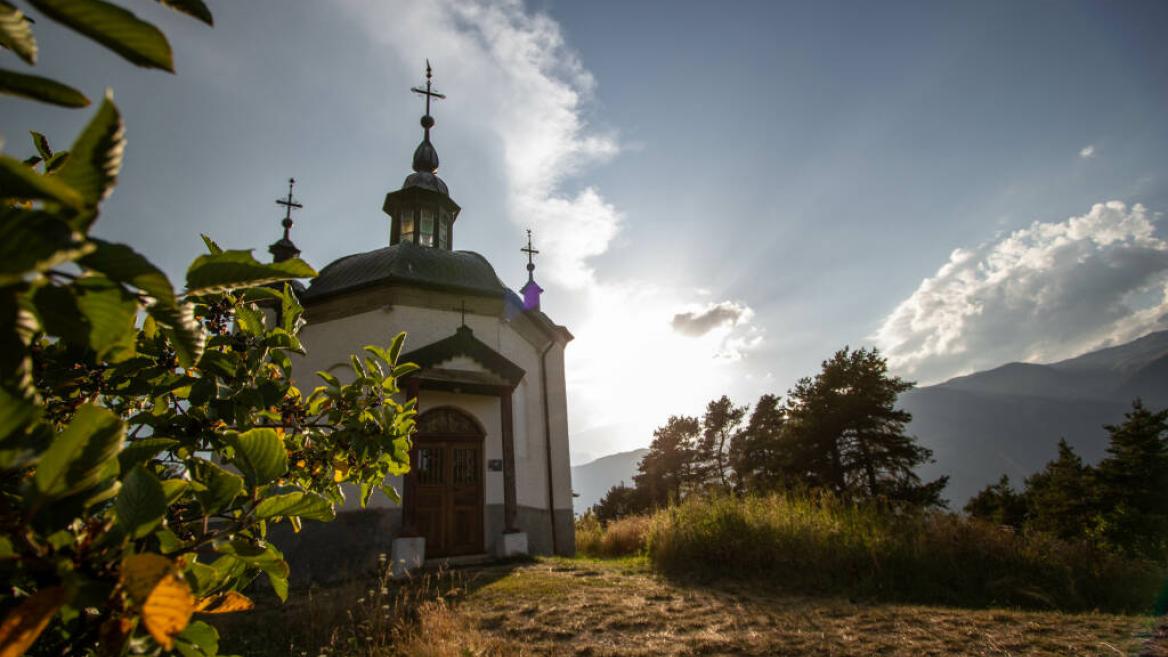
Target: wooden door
x: 446, y: 490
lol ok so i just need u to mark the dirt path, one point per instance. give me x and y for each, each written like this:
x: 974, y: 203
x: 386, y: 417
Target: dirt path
x: 602, y: 608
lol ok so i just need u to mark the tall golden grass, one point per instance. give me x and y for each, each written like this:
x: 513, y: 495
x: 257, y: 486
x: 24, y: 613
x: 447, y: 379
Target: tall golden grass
x: 618, y: 538
x: 818, y: 544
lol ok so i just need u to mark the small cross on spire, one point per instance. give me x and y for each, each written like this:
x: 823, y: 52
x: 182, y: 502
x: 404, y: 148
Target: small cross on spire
x: 530, y: 256
x: 530, y: 290
x: 428, y: 92
x: 289, y: 205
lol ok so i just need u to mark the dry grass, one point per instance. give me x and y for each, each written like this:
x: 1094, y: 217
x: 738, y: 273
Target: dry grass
x: 594, y: 608
x: 619, y: 538
x: 619, y: 607
x: 820, y: 545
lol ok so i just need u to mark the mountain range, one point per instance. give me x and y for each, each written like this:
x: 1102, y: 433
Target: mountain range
x: 1007, y: 420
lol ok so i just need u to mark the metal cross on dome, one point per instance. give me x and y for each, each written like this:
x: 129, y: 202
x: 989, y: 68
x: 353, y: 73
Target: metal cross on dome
x: 529, y: 251
x: 428, y: 92
x: 289, y: 205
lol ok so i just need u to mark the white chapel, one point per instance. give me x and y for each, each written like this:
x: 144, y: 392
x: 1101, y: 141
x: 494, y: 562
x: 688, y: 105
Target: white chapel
x: 490, y: 472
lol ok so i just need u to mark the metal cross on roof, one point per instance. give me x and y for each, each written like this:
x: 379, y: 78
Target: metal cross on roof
x: 528, y: 250
x: 530, y: 257
x: 289, y: 205
x: 427, y: 92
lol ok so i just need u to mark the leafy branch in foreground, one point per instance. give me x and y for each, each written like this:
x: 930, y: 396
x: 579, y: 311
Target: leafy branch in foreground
x: 148, y: 438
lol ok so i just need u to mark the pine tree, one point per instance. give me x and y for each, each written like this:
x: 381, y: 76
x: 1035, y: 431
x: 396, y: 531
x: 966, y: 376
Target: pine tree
x: 1000, y: 504
x: 666, y: 473
x: 711, y: 460
x: 1061, y: 498
x: 1133, y: 482
x: 846, y: 434
x: 757, y: 456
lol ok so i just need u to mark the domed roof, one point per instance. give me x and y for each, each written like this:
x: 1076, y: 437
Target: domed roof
x: 426, y: 156
x: 426, y: 180
x: 409, y: 264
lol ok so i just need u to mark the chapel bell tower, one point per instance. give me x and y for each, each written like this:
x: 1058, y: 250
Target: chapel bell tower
x: 421, y: 212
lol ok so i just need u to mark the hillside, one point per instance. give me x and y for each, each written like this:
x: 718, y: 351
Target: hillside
x: 1008, y: 420
x: 592, y: 480
x: 1001, y: 421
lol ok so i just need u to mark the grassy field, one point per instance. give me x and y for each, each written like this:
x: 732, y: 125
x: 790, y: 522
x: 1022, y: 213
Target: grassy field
x: 618, y: 607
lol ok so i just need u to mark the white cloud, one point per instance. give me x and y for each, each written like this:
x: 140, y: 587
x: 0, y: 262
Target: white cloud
x: 1087, y: 152
x: 530, y: 93
x: 1042, y: 293
x: 698, y: 322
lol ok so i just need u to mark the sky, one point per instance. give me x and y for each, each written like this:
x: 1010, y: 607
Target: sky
x: 723, y: 194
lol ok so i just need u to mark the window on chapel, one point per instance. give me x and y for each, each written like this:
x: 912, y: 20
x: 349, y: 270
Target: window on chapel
x: 427, y: 225
x: 407, y: 226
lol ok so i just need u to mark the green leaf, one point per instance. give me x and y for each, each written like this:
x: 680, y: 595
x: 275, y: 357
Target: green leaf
x: 57, y: 161
x: 96, y: 156
x: 182, y: 330
x: 15, y: 33
x: 194, y: 8
x: 125, y: 265
x: 404, y: 369
x: 42, y: 145
x: 115, y: 28
x: 141, y: 450
x: 34, y: 241
x: 395, y: 347
x: 329, y: 379
x: 219, y: 487
x: 173, y: 489
x: 198, y: 640
x: 141, y: 504
x: 290, y: 310
x: 234, y: 269
x: 259, y: 455
x: 34, y: 87
x: 79, y: 456
x: 15, y: 413
x: 212, y: 247
x: 93, y: 312
x: 22, y: 183
x: 308, y: 506
x: 249, y: 319
x: 264, y: 556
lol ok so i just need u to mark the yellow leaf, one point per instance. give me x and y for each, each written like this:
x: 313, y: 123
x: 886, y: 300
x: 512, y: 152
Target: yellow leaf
x: 141, y: 572
x: 168, y: 609
x: 224, y: 603
x: 24, y: 624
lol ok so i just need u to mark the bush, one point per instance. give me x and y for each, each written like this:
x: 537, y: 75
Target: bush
x: 619, y: 538
x: 821, y: 545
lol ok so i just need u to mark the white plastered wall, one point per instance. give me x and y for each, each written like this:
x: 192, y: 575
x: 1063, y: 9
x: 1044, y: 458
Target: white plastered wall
x: 330, y: 343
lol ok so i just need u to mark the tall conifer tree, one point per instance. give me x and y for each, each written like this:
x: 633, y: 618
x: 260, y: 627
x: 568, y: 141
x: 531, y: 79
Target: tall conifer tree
x: 847, y: 435
x: 1133, y: 482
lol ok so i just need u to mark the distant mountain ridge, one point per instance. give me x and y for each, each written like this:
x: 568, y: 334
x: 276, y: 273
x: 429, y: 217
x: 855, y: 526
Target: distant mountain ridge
x: 1006, y: 420
x: 592, y: 480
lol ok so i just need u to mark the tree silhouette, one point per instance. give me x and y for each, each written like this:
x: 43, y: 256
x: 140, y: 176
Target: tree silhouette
x: 757, y: 456
x: 1061, y: 498
x: 666, y: 473
x: 711, y: 459
x: 847, y: 436
x: 1133, y: 483
x: 1000, y: 504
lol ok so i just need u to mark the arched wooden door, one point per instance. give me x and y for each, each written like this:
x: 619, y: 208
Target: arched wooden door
x: 447, y: 483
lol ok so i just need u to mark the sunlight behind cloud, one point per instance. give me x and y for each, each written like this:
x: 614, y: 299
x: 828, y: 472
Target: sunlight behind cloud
x: 529, y: 93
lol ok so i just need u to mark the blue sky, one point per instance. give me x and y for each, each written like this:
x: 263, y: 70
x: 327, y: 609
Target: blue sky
x: 724, y: 193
